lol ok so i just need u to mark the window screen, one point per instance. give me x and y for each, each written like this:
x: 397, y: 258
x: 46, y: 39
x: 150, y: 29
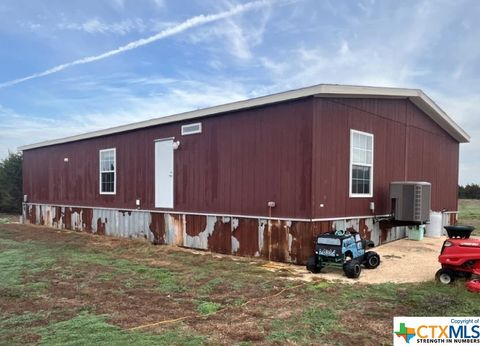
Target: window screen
x: 107, y: 171
x: 191, y: 129
x: 361, y: 163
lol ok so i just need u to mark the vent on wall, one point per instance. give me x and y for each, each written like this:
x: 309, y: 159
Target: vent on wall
x: 191, y: 129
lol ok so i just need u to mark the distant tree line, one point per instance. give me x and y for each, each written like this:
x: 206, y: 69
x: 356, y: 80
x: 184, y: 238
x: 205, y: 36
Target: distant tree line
x: 469, y: 191
x: 11, y: 184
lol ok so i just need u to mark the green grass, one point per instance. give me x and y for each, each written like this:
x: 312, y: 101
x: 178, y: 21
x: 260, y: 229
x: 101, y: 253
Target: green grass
x: 435, y: 299
x: 312, y: 325
x: 86, y: 329
x: 8, y: 218
x: 469, y: 213
x: 33, y: 271
x: 208, y: 308
x: 18, y: 259
x: 423, y: 299
x: 22, y: 258
x: 115, y: 267
x: 17, y: 329
x: 24, y: 266
x: 210, y: 286
x: 469, y: 209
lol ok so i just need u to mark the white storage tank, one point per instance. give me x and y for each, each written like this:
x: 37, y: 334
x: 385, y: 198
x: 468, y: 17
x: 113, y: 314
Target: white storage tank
x: 435, y: 227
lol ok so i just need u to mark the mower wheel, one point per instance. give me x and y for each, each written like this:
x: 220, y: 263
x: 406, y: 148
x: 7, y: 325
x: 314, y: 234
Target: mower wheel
x: 352, y: 269
x: 372, y: 260
x: 312, y: 265
x: 445, y: 276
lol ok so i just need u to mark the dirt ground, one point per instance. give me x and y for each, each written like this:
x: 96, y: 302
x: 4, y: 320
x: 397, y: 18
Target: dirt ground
x: 398, y: 259
x: 53, y: 282
x: 399, y: 264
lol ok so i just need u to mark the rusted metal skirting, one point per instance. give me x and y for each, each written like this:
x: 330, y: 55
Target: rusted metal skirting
x: 275, y: 240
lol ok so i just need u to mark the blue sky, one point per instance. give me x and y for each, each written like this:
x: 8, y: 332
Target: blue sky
x: 208, y: 52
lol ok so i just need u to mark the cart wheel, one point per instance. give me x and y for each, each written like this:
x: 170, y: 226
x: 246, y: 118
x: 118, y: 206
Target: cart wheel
x: 445, y: 276
x: 372, y: 260
x: 352, y: 269
x: 312, y: 265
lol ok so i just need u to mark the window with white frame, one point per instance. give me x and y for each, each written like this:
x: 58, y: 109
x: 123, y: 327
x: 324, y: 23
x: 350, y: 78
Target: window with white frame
x: 191, y: 129
x: 361, y: 164
x: 108, y: 175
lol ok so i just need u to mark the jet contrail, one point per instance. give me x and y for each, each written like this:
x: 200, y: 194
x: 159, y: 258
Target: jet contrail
x: 189, y: 23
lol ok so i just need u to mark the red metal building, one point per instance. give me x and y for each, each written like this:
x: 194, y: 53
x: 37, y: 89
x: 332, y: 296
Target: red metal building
x: 258, y: 177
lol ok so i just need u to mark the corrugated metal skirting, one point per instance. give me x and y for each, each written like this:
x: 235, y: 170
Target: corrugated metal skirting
x: 275, y: 240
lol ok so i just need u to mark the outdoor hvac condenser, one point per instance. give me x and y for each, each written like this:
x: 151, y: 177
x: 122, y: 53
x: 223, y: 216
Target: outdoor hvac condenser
x: 411, y: 200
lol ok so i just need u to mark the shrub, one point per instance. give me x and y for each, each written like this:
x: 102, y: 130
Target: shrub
x: 11, y: 184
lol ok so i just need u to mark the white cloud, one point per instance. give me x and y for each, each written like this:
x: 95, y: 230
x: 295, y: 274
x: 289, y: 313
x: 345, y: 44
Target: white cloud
x: 118, y: 4
x: 95, y: 25
x: 216, y: 64
x: 395, y: 57
x: 20, y: 129
x: 30, y: 26
x: 412, y: 44
x: 239, y: 34
x: 239, y: 44
x: 275, y: 67
x: 159, y: 3
x: 371, y: 50
x: 188, y: 24
x: 124, y: 27
x: 462, y: 106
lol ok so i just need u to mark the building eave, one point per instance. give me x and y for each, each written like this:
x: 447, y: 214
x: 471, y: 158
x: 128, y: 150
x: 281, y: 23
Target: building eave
x: 418, y: 97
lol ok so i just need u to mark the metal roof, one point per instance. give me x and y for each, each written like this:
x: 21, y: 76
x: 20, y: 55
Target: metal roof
x: 417, y: 96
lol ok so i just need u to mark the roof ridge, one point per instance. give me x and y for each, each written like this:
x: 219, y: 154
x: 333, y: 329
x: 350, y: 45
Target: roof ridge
x: 417, y: 96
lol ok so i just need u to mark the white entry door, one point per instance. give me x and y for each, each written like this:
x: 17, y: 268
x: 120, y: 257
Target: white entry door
x: 164, y: 173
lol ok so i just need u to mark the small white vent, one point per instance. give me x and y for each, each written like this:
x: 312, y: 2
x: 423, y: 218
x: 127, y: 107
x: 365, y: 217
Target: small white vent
x: 191, y: 129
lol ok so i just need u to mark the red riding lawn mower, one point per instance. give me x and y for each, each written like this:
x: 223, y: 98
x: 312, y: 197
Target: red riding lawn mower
x: 460, y: 257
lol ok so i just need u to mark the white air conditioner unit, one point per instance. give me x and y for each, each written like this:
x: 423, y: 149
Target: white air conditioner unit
x: 411, y: 200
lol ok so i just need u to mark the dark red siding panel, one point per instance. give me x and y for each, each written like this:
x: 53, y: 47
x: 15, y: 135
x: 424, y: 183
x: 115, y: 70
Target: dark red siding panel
x: 195, y: 224
x: 329, y: 173
x: 221, y: 239
x: 303, y: 242
x: 246, y: 233
x: 237, y: 164
x: 408, y: 145
x: 275, y: 241
x: 157, y: 227
x: 294, y: 153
